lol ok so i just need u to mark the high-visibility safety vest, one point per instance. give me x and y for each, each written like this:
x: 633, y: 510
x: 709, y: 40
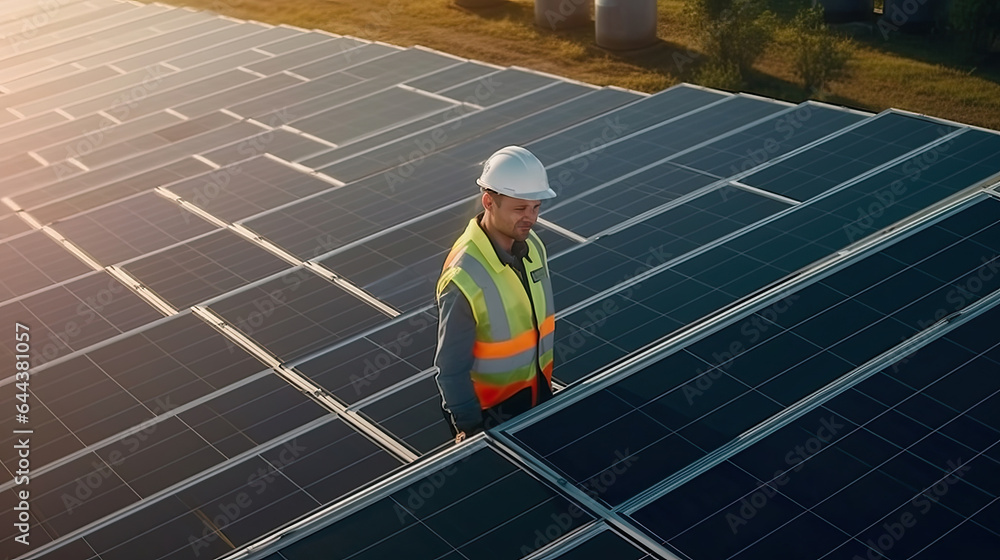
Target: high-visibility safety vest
x: 509, y: 349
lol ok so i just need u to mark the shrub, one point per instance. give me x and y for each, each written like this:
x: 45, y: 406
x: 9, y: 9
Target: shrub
x: 820, y: 56
x: 734, y: 33
x: 978, y: 21
x: 720, y: 75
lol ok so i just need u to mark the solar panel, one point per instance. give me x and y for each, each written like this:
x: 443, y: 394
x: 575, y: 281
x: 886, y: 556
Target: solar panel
x: 203, y: 268
x: 226, y: 37
x: 438, y: 132
x: 107, y: 133
x: 268, y: 208
x: 907, y: 435
x: 651, y: 242
x: 247, y: 188
x: 112, y: 191
x: 381, y: 201
x: 131, y: 228
x: 599, y: 543
x: 297, y: 313
x: 723, y: 272
x: 341, y: 60
x: 199, y: 54
x: 402, y: 266
x: 479, y: 506
x: 77, y: 313
x: 231, y: 507
x: 451, y: 77
x: 34, y: 261
x: 674, y: 411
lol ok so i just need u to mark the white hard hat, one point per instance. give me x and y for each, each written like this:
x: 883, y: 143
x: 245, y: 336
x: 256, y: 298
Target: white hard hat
x: 516, y: 172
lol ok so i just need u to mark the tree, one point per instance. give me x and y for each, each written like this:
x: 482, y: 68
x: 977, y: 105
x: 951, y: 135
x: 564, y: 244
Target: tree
x: 734, y: 33
x: 978, y: 21
x: 820, y: 56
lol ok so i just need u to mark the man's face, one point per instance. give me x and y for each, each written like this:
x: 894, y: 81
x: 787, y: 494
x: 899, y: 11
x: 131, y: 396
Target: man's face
x: 513, y: 217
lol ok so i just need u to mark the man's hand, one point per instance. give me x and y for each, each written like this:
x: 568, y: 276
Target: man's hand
x: 459, y: 437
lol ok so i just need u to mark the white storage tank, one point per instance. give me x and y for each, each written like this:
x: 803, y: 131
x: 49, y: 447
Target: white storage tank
x: 847, y: 10
x: 562, y: 14
x: 625, y: 24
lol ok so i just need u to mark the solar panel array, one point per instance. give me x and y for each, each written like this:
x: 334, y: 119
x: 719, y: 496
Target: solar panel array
x: 775, y: 330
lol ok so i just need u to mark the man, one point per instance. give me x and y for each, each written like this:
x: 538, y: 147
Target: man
x: 496, y: 327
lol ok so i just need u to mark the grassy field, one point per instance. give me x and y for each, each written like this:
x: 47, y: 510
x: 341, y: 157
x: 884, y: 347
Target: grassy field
x: 919, y: 74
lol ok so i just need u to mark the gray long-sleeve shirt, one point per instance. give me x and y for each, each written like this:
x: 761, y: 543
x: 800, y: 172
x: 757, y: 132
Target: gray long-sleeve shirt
x: 456, y: 336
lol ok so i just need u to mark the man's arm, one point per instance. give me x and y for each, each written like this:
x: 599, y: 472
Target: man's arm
x: 456, y: 336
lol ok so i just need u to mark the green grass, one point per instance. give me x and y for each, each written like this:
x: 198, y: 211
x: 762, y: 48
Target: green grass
x: 931, y: 76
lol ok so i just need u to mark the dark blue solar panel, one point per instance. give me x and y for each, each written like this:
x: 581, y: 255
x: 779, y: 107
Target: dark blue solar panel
x: 297, y: 313
x: 657, y: 420
x: 369, y: 205
x: 600, y: 161
x: 724, y: 273
x: 597, y: 266
x: 605, y: 544
x: 903, y: 465
x: 816, y: 170
x: 481, y: 506
x: 76, y: 314
x: 279, y: 482
x: 763, y: 142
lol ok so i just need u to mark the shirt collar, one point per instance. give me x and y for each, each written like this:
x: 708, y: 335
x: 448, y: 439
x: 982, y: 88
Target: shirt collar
x: 502, y: 254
